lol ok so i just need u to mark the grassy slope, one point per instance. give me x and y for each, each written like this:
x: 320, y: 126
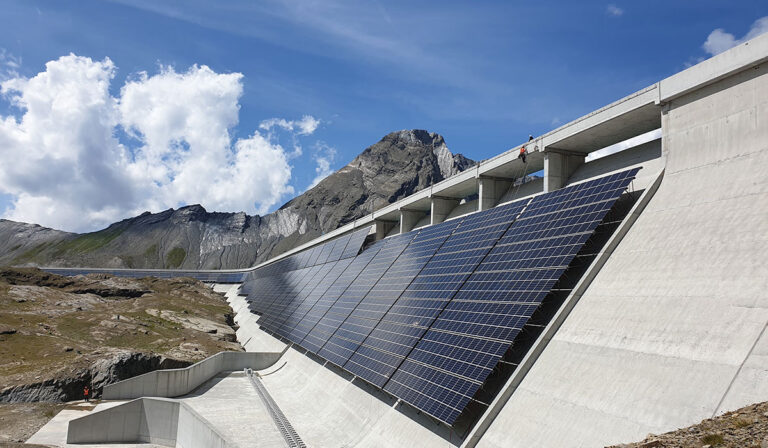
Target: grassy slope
x: 49, y: 320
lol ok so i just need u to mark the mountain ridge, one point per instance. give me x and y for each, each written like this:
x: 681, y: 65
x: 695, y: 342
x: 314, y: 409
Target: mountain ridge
x: 190, y: 237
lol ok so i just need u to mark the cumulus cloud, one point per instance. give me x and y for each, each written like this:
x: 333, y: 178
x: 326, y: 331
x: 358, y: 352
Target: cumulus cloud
x: 65, y: 167
x: 718, y: 40
x: 324, y: 158
x: 613, y: 10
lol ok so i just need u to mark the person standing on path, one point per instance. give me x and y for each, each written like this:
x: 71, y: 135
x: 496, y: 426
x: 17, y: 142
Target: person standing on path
x: 86, y: 392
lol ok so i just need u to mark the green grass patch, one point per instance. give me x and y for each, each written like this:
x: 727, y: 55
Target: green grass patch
x: 175, y: 257
x: 30, y: 255
x: 713, y: 439
x: 151, y: 251
x: 88, y: 242
x: 742, y: 422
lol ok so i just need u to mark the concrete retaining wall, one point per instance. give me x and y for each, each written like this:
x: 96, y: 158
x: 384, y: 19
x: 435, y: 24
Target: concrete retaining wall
x: 196, y: 432
x: 176, y: 382
x: 147, y: 420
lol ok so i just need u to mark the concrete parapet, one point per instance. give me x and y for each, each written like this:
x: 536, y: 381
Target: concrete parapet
x: 158, y: 421
x: 176, y: 382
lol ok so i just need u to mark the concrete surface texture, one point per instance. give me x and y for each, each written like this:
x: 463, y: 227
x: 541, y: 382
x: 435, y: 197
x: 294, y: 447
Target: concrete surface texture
x: 249, y: 335
x: 142, y: 420
x: 328, y: 409
x: 176, y: 382
x: 672, y: 329
x: 225, y: 411
x: 231, y: 405
x: 159, y: 421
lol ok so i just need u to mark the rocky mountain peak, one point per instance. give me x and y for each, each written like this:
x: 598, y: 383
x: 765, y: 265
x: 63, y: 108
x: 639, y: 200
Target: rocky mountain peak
x: 400, y: 164
x: 195, y: 212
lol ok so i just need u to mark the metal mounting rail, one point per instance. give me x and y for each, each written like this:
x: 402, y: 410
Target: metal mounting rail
x: 289, y: 434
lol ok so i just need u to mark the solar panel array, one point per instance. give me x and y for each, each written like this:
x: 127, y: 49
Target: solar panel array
x: 427, y: 315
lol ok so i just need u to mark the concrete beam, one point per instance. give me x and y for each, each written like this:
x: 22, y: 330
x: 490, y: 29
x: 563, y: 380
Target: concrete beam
x: 409, y: 218
x: 739, y: 58
x: 441, y: 207
x: 383, y: 228
x: 490, y: 191
x: 558, y: 167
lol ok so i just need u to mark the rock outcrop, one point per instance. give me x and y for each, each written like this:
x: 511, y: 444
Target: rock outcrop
x: 114, y: 367
x: 400, y: 164
x: 59, y: 334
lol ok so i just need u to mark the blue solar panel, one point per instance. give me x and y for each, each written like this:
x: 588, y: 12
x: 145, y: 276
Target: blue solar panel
x: 292, y: 314
x: 278, y: 289
x: 338, y: 350
x: 474, y: 330
x: 314, y: 330
x: 377, y: 302
x: 356, y: 240
x: 415, y: 310
x: 290, y: 326
x: 274, y: 312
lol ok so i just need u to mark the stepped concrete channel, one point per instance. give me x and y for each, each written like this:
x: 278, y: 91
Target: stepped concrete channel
x: 668, y: 327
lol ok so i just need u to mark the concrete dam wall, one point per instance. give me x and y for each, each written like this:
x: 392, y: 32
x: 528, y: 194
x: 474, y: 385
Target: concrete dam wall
x: 672, y: 329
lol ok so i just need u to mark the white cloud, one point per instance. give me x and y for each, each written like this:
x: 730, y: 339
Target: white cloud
x: 324, y: 158
x: 306, y: 126
x: 9, y: 64
x: 613, y: 10
x: 64, y: 167
x: 718, y: 40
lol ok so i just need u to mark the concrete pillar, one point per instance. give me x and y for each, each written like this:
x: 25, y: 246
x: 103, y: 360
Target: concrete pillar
x: 408, y: 219
x: 383, y: 228
x: 440, y: 209
x: 490, y: 191
x: 558, y: 167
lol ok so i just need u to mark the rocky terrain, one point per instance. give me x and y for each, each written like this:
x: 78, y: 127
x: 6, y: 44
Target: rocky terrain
x: 744, y: 428
x: 400, y: 164
x: 58, y: 334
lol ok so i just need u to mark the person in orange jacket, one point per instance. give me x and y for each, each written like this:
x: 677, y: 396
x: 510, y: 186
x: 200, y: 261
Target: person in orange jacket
x: 86, y: 391
x: 523, y: 152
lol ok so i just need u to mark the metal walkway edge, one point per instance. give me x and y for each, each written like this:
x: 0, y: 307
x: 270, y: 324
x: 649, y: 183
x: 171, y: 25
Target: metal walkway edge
x: 285, y: 427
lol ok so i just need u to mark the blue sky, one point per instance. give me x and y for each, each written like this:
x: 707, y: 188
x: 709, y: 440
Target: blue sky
x: 482, y: 74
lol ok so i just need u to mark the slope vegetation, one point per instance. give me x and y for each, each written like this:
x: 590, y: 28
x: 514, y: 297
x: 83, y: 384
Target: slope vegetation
x: 58, y: 334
